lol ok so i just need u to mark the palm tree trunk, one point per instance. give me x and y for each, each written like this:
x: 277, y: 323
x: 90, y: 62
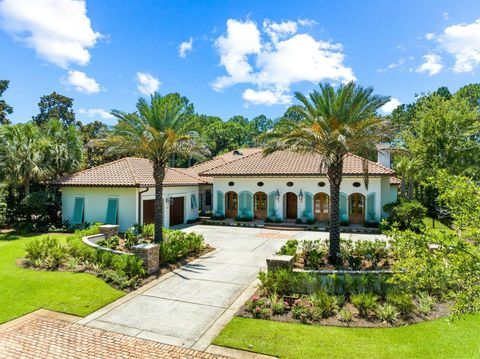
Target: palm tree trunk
x: 159, y: 176
x: 334, y: 174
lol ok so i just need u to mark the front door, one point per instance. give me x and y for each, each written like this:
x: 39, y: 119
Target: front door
x: 356, y: 210
x: 176, y: 211
x: 321, y: 207
x: 291, y: 205
x: 148, y: 211
x: 260, y: 203
x: 231, y: 205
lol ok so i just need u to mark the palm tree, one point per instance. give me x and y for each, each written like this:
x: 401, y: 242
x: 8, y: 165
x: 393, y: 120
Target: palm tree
x: 22, y: 154
x: 335, y: 122
x: 158, y: 131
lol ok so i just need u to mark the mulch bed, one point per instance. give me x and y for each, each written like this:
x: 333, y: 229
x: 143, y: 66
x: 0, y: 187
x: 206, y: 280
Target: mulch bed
x: 439, y: 310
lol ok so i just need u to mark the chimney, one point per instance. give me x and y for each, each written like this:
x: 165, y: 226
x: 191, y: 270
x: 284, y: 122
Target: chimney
x: 383, y: 150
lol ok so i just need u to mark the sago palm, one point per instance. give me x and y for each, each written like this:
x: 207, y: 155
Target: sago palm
x: 158, y: 130
x: 335, y: 122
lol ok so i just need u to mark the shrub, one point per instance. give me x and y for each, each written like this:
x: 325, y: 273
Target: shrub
x: 365, y: 303
x: 148, y: 231
x: 302, y: 311
x: 110, y: 242
x: 408, y: 214
x: 289, y: 248
x: 178, y: 244
x: 131, y: 266
x: 217, y: 217
x: 46, y: 253
x: 131, y: 238
x: 403, y: 302
x: 345, y: 315
x: 425, y: 303
x: 324, y: 303
x: 119, y: 279
x: 314, y: 253
x: 387, y: 313
x: 244, y: 219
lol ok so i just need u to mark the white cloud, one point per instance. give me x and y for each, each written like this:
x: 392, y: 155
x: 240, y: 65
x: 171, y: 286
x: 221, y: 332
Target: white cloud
x: 390, y: 105
x: 58, y: 30
x: 185, y: 47
x: 432, y: 64
x: 445, y: 15
x: 429, y: 36
x: 306, y: 22
x: 463, y: 42
x: 273, y: 66
x: 81, y: 82
x: 147, y: 84
x: 266, y: 97
x: 96, y: 112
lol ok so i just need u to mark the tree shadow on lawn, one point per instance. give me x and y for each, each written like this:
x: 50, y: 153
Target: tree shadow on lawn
x: 13, y: 235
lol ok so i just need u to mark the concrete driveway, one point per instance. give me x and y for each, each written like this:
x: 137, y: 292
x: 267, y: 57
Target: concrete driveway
x: 189, y: 306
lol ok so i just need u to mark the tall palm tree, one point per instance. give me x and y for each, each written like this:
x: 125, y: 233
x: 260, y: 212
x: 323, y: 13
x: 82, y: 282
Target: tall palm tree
x: 335, y: 122
x: 22, y: 154
x: 158, y: 130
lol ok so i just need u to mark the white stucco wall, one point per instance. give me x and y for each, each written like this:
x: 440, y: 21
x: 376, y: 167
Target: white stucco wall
x: 183, y: 191
x: 305, y: 184
x: 96, y: 199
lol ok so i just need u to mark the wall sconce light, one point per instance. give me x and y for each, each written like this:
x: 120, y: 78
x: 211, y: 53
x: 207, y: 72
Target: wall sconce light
x: 169, y: 200
x: 300, y: 196
x: 277, y: 195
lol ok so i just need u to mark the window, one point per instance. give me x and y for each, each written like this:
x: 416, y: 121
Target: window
x: 231, y: 184
x: 289, y: 184
x: 208, y: 197
x: 356, y: 184
x: 193, y: 201
x: 321, y: 184
x: 260, y: 184
x: 112, y: 211
x: 78, y: 210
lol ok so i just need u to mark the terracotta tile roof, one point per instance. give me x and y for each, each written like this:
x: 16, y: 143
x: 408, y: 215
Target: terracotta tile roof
x: 221, y: 160
x: 129, y: 172
x: 289, y: 163
x: 395, y: 181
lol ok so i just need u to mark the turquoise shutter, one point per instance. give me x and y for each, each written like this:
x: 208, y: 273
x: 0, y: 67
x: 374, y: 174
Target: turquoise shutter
x: 371, y: 217
x: 78, y: 208
x: 193, y: 201
x: 112, y: 211
x: 220, y: 203
x: 242, y: 202
x: 308, y: 205
x: 343, y: 207
x: 271, y: 204
x: 248, y: 204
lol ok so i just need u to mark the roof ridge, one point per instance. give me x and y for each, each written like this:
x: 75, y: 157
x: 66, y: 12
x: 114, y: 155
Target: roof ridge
x: 220, y: 157
x: 132, y: 172
x: 179, y: 170
x: 234, y: 161
x: 372, y: 162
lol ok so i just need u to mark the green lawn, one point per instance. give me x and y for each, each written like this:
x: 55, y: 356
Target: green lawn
x: 436, y: 339
x: 23, y: 290
x: 436, y: 224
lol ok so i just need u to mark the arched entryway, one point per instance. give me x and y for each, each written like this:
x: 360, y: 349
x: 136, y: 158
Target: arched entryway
x: 231, y: 205
x: 290, y: 205
x: 321, y: 207
x: 260, y: 205
x: 356, y: 208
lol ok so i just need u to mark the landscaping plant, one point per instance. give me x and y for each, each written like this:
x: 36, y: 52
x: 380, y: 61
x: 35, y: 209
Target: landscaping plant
x: 366, y: 303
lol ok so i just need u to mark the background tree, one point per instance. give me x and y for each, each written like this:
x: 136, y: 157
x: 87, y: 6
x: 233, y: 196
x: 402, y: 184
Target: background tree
x: 158, y: 130
x: 5, y: 109
x: 337, y: 121
x: 55, y: 106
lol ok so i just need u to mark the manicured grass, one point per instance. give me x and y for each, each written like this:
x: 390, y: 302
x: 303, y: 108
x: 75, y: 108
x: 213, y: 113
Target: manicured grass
x: 24, y: 290
x: 436, y: 339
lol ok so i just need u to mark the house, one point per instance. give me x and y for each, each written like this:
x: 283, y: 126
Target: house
x: 241, y: 183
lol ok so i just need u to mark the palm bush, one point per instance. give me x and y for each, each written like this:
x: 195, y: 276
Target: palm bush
x: 365, y: 303
x: 403, y: 302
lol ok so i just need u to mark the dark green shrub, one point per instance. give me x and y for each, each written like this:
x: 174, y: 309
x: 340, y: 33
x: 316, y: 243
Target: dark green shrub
x: 407, y: 214
x: 365, y: 303
x: 289, y: 248
x: 244, y: 219
x: 403, y: 302
x: 131, y: 238
x: 131, y: 266
x: 217, y: 217
x: 178, y: 244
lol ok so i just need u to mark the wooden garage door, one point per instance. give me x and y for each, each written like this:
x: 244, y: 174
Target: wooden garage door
x: 176, y: 211
x: 148, y: 211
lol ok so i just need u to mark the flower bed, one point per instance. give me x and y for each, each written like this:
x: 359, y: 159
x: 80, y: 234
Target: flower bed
x: 360, y: 301
x: 120, y: 269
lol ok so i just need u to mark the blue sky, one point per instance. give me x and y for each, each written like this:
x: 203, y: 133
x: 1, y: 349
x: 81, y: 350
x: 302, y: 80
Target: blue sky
x: 238, y: 57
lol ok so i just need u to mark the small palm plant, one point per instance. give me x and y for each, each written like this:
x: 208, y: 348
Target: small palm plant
x: 335, y: 122
x: 159, y: 130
